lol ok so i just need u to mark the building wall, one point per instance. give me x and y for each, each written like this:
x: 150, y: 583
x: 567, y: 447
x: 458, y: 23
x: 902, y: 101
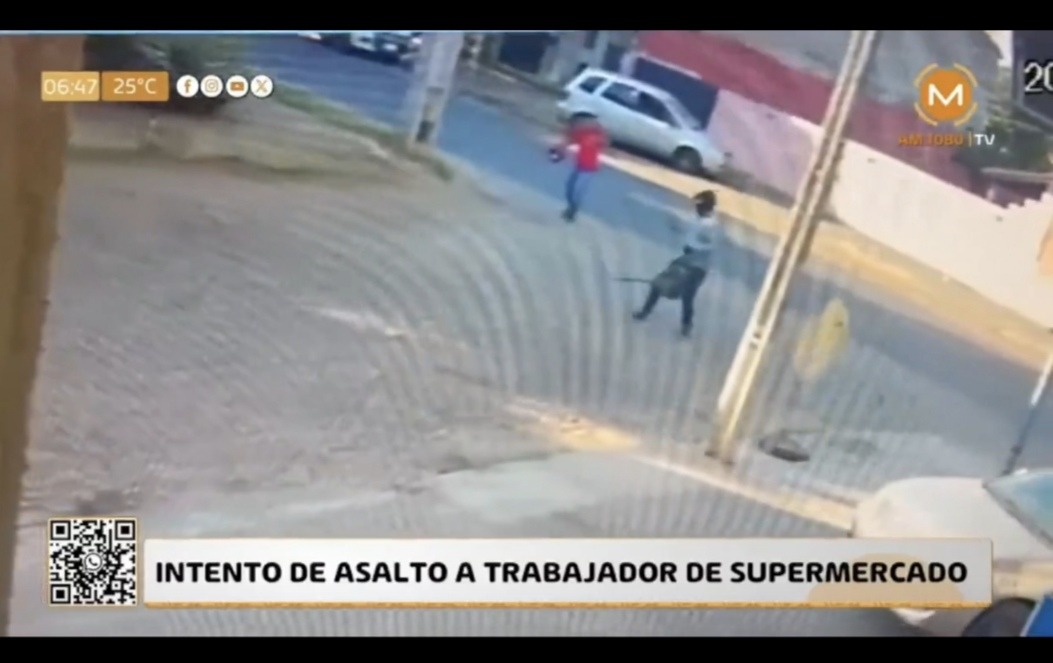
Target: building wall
x: 32, y: 159
x: 1004, y: 253
x: 524, y: 51
x: 732, y: 66
x: 1001, y: 252
x: 899, y: 56
x: 697, y: 95
x: 774, y: 148
x: 555, y: 57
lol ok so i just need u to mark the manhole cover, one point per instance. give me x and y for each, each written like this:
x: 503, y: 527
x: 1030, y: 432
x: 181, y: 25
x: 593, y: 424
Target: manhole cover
x: 783, y: 446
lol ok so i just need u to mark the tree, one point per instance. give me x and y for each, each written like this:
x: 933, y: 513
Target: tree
x: 1019, y: 143
x: 178, y: 55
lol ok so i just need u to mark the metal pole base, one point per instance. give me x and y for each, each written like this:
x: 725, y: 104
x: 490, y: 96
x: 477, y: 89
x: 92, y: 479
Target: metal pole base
x: 425, y: 131
x: 719, y: 455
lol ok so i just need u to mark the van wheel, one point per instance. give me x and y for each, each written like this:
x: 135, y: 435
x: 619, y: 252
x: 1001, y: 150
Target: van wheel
x: 687, y: 161
x: 1005, y: 619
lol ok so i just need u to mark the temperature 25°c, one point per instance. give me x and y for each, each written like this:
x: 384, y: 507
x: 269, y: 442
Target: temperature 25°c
x: 135, y: 86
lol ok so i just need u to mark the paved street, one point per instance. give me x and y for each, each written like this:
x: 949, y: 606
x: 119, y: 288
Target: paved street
x: 228, y: 356
x: 907, y: 399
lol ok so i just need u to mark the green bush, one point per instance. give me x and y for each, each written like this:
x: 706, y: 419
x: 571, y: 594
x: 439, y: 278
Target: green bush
x: 109, y: 51
x: 1018, y: 145
x: 178, y: 55
x: 196, y: 56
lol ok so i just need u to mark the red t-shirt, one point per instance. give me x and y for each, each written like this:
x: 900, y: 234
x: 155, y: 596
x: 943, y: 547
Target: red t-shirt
x: 590, y: 141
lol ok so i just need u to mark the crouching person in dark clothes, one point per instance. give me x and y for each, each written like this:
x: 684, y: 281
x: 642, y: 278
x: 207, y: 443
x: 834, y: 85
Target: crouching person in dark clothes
x: 685, y: 275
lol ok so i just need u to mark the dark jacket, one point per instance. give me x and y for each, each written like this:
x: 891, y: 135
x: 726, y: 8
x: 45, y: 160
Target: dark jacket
x: 670, y: 282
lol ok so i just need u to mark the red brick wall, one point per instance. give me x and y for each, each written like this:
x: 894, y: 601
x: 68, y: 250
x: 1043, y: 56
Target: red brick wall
x: 730, y: 65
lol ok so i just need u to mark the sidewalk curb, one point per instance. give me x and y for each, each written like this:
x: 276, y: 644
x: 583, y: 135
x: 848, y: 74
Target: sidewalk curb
x: 572, y: 432
x: 225, y: 140
x: 176, y: 143
x: 550, y: 89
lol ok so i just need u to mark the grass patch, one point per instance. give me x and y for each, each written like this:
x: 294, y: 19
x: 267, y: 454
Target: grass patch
x: 344, y: 118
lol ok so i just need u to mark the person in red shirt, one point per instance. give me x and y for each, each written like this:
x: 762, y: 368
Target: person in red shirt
x: 585, y: 133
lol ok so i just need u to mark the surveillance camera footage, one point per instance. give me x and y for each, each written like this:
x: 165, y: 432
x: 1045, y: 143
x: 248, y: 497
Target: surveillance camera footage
x: 484, y: 292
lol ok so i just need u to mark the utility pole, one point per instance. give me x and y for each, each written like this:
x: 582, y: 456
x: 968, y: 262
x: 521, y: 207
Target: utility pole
x: 433, y: 77
x: 740, y: 383
x: 1038, y: 396
x: 627, y: 65
x: 473, y: 48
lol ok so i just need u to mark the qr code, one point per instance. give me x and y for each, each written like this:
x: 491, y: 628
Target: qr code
x: 93, y: 562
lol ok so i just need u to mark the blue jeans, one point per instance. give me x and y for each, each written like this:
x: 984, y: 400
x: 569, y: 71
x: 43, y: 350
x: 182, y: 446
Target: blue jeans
x: 577, y: 185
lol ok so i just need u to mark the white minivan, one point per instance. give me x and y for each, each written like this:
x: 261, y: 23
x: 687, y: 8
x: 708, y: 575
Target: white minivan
x: 643, y: 117
x: 1014, y: 512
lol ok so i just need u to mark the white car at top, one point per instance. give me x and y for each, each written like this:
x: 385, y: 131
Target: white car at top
x: 643, y: 117
x: 1015, y: 512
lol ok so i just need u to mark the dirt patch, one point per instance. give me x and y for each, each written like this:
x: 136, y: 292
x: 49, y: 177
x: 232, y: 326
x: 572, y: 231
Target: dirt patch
x: 344, y: 118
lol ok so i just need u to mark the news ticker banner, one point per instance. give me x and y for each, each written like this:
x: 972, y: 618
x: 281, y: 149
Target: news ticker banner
x: 145, y: 86
x: 97, y: 562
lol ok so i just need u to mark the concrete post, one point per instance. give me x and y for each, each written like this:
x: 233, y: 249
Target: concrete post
x: 473, y: 45
x: 598, y: 53
x: 491, y: 48
x: 1034, y: 406
x: 33, y: 138
x: 627, y: 66
x: 570, y: 53
x: 433, y: 82
x: 562, y: 59
x: 738, y: 389
x: 547, y: 69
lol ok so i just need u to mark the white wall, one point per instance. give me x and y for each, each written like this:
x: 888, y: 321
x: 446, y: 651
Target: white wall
x: 771, y: 146
x: 992, y: 249
x: 1003, y: 41
x: 900, y: 55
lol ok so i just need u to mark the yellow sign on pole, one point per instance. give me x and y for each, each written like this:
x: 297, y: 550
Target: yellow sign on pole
x: 822, y: 341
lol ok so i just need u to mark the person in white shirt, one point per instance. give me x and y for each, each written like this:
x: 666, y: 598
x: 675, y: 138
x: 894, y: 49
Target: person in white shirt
x: 685, y: 275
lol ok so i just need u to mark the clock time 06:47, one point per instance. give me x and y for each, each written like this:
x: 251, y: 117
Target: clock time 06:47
x: 69, y: 86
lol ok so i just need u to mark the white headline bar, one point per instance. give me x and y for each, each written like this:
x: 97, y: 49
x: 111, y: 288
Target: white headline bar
x: 567, y: 572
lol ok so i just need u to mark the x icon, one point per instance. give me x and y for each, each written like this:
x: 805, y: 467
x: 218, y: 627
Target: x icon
x: 262, y: 86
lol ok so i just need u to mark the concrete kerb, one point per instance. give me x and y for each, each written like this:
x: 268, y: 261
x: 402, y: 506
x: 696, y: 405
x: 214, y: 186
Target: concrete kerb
x: 551, y: 89
x: 315, y: 138
x: 344, y: 118
x: 111, y: 131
